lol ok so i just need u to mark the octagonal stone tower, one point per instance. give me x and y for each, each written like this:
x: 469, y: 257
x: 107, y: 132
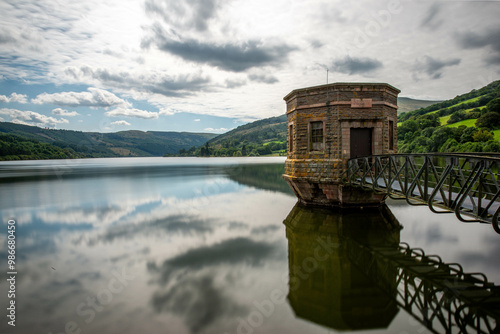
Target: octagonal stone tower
x: 329, y: 124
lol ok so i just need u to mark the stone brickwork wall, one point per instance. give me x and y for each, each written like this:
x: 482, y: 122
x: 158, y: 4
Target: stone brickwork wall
x: 339, y: 107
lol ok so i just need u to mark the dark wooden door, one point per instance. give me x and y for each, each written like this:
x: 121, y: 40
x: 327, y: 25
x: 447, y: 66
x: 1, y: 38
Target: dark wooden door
x: 361, y: 142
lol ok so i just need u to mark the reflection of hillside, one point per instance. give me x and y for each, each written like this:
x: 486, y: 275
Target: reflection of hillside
x: 325, y: 286
x: 61, y: 170
x: 349, y: 271
x: 265, y: 176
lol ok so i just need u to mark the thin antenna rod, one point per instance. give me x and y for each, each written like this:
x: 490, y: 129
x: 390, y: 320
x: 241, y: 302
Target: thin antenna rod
x: 327, y: 99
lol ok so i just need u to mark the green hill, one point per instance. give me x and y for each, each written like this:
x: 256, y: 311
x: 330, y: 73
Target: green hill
x: 262, y: 137
x: 261, y: 131
x: 118, y: 144
x: 474, y: 99
x: 467, y: 123
x: 13, y: 147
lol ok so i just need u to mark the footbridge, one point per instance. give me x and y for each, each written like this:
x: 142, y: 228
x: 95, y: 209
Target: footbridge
x: 465, y: 184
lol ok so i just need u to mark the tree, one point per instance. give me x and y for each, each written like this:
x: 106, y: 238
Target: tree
x: 205, y: 150
x: 482, y: 136
x: 222, y: 152
x: 471, y: 147
x: 467, y: 134
x: 457, y: 117
x: 492, y: 146
x: 407, y: 127
x: 422, y: 144
x: 490, y: 120
x: 427, y: 132
x: 451, y: 145
x: 254, y: 153
x: 264, y: 150
x: 440, y: 136
x: 428, y: 120
x: 494, y: 106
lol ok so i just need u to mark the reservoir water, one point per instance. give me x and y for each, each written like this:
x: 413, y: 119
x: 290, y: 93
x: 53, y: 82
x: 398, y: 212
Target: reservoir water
x: 209, y: 245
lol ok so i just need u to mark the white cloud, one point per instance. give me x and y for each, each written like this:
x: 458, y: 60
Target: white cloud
x: 31, y: 118
x: 94, y: 97
x: 197, y: 120
x: 64, y: 112
x: 220, y: 130
x: 122, y: 123
x: 167, y: 111
x: 147, y: 82
x: 132, y: 112
x: 14, y: 97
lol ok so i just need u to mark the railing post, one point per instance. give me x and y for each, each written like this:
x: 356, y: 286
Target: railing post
x: 389, y: 178
x: 450, y: 186
x: 406, y: 174
x: 426, y: 178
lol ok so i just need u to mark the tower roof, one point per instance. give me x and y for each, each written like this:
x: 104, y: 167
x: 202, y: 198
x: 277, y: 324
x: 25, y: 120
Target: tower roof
x: 347, y: 85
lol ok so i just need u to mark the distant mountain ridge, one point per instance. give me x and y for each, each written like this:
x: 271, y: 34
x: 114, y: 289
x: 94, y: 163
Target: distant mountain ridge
x: 406, y: 104
x: 117, y: 144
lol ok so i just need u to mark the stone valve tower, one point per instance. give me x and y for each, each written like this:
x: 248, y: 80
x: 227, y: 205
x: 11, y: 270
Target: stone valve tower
x: 329, y: 124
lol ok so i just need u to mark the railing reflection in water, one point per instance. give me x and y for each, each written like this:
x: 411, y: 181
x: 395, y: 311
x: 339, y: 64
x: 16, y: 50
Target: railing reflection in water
x: 349, y: 271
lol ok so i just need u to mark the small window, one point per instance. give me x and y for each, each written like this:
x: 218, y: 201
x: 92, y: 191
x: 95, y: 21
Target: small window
x: 391, y: 135
x: 316, y: 136
x: 290, y: 138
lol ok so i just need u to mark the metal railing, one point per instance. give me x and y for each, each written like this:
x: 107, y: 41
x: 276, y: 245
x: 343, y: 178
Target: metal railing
x: 465, y: 184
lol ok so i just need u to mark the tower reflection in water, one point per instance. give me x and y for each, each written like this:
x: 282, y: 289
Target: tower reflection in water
x: 349, y: 271
x: 325, y: 286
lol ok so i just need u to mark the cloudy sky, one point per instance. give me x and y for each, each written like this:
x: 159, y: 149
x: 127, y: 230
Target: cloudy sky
x: 212, y: 65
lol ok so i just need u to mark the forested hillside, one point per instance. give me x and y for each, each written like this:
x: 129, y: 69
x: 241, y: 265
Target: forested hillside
x: 95, y: 144
x: 263, y: 137
x: 13, y: 147
x: 467, y: 123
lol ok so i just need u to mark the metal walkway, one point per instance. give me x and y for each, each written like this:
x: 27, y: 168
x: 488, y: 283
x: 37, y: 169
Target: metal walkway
x: 466, y: 184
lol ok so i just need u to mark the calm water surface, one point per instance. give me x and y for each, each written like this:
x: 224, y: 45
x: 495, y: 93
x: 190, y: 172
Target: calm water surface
x: 189, y: 245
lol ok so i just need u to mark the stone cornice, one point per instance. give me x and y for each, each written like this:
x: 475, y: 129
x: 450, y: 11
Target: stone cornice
x: 338, y: 103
